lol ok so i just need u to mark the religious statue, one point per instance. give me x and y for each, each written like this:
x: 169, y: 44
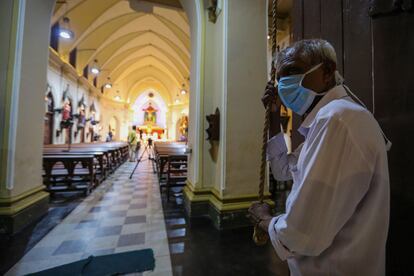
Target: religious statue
x: 150, y: 115
x: 49, y: 104
x: 66, y: 111
x: 183, y: 128
x: 81, y: 114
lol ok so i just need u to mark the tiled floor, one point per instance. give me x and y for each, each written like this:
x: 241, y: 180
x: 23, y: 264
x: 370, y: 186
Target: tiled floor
x: 197, y: 248
x: 120, y: 215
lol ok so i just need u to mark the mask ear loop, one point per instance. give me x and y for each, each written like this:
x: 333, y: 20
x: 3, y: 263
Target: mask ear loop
x: 309, y: 71
x: 338, y: 78
x: 388, y: 143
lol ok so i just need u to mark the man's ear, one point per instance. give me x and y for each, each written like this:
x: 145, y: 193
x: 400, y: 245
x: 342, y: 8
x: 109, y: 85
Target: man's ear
x: 329, y: 69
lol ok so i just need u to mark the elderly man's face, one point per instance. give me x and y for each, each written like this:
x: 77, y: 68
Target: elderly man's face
x: 318, y: 80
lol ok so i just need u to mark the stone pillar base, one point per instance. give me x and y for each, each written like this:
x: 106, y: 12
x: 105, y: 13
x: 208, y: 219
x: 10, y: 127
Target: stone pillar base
x: 225, y: 213
x: 18, y: 212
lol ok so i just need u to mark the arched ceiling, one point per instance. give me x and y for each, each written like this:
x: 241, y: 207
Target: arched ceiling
x: 140, y: 45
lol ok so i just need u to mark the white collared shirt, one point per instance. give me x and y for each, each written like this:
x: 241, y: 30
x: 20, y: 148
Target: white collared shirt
x: 337, y: 214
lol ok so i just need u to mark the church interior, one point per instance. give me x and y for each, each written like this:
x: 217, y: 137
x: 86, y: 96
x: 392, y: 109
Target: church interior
x: 133, y: 129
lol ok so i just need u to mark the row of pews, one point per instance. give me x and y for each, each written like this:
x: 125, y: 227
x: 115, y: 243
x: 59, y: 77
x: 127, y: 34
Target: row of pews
x: 82, y: 167
x: 171, y: 164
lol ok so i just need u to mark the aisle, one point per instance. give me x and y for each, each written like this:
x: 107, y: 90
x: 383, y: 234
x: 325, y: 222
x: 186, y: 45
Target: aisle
x: 120, y: 215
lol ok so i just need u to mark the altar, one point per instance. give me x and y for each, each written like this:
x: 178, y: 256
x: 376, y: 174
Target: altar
x: 150, y: 127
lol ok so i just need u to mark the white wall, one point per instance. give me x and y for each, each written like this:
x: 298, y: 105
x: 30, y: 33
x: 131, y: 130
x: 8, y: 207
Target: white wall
x: 119, y: 111
x: 195, y: 14
x: 59, y: 80
x: 246, y: 80
x: 215, y: 87
x: 25, y: 129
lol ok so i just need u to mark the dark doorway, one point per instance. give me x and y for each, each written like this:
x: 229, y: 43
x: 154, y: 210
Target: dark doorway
x: 82, y: 135
x: 91, y: 134
x: 48, y: 120
x: 68, y: 130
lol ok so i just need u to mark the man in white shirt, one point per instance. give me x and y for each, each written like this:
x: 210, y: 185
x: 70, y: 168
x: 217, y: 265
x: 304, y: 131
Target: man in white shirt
x: 337, y: 214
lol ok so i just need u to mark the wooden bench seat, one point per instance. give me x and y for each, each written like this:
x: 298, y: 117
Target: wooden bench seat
x: 83, y: 166
x: 171, y: 164
x: 70, y: 173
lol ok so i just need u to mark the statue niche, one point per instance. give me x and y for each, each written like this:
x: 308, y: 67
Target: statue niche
x: 81, y: 120
x: 67, y: 118
x: 48, y: 119
x: 183, y: 129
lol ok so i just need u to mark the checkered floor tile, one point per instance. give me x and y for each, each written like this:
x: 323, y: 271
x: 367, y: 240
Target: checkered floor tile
x: 121, y: 215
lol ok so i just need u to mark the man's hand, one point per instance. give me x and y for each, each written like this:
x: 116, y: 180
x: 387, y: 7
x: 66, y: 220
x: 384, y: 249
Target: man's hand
x: 270, y: 97
x: 260, y: 213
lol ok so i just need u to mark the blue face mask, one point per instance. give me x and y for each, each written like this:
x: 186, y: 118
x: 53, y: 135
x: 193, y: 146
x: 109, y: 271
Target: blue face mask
x: 294, y: 95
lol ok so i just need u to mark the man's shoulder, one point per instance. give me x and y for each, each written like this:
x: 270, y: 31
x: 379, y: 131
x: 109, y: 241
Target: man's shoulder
x: 357, y: 120
x: 344, y: 111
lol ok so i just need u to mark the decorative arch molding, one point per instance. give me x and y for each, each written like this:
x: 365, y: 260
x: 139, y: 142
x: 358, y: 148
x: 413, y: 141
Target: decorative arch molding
x: 175, y: 29
x: 106, y: 32
x: 87, y: 5
x: 149, y: 83
x: 74, y: 4
x: 109, y: 26
x: 145, y: 61
x: 153, y: 50
x: 122, y: 50
x: 152, y: 71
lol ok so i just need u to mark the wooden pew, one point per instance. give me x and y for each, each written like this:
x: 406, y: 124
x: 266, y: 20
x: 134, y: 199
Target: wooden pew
x: 171, y: 163
x: 89, y: 161
x: 100, y: 160
x: 162, y: 152
x: 117, y: 151
x: 66, y: 177
x: 176, y: 172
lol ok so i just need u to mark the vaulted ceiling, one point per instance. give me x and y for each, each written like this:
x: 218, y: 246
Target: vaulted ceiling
x: 139, y: 44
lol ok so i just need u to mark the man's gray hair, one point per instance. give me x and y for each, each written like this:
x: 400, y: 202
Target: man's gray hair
x: 310, y: 51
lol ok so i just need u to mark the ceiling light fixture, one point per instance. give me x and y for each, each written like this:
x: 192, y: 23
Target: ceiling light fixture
x: 183, y: 91
x: 117, y: 97
x: 64, y: 30
x: 177, y: 99
x: 108, y: 84
x: 95, y: 68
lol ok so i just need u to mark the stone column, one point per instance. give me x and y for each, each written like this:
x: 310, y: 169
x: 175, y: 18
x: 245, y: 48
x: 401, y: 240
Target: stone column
x: 235, y: 74
x: 24, y: 52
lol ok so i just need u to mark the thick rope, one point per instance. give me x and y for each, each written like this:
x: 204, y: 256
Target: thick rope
x: 260, y: 237
x: 263, y: 165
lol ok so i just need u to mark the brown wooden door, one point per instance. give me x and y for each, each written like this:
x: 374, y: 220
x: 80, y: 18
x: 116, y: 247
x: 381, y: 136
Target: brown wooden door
x: 374, y: 41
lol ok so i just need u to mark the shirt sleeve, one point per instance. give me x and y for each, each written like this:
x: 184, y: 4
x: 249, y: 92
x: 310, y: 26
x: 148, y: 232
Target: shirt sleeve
x: 331, y: 178
x: 282, y: 251
x: 280, y: 161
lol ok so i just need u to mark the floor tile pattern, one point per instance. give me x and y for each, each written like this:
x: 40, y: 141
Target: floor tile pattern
x: 121, y: 215
x: 197, y: 248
